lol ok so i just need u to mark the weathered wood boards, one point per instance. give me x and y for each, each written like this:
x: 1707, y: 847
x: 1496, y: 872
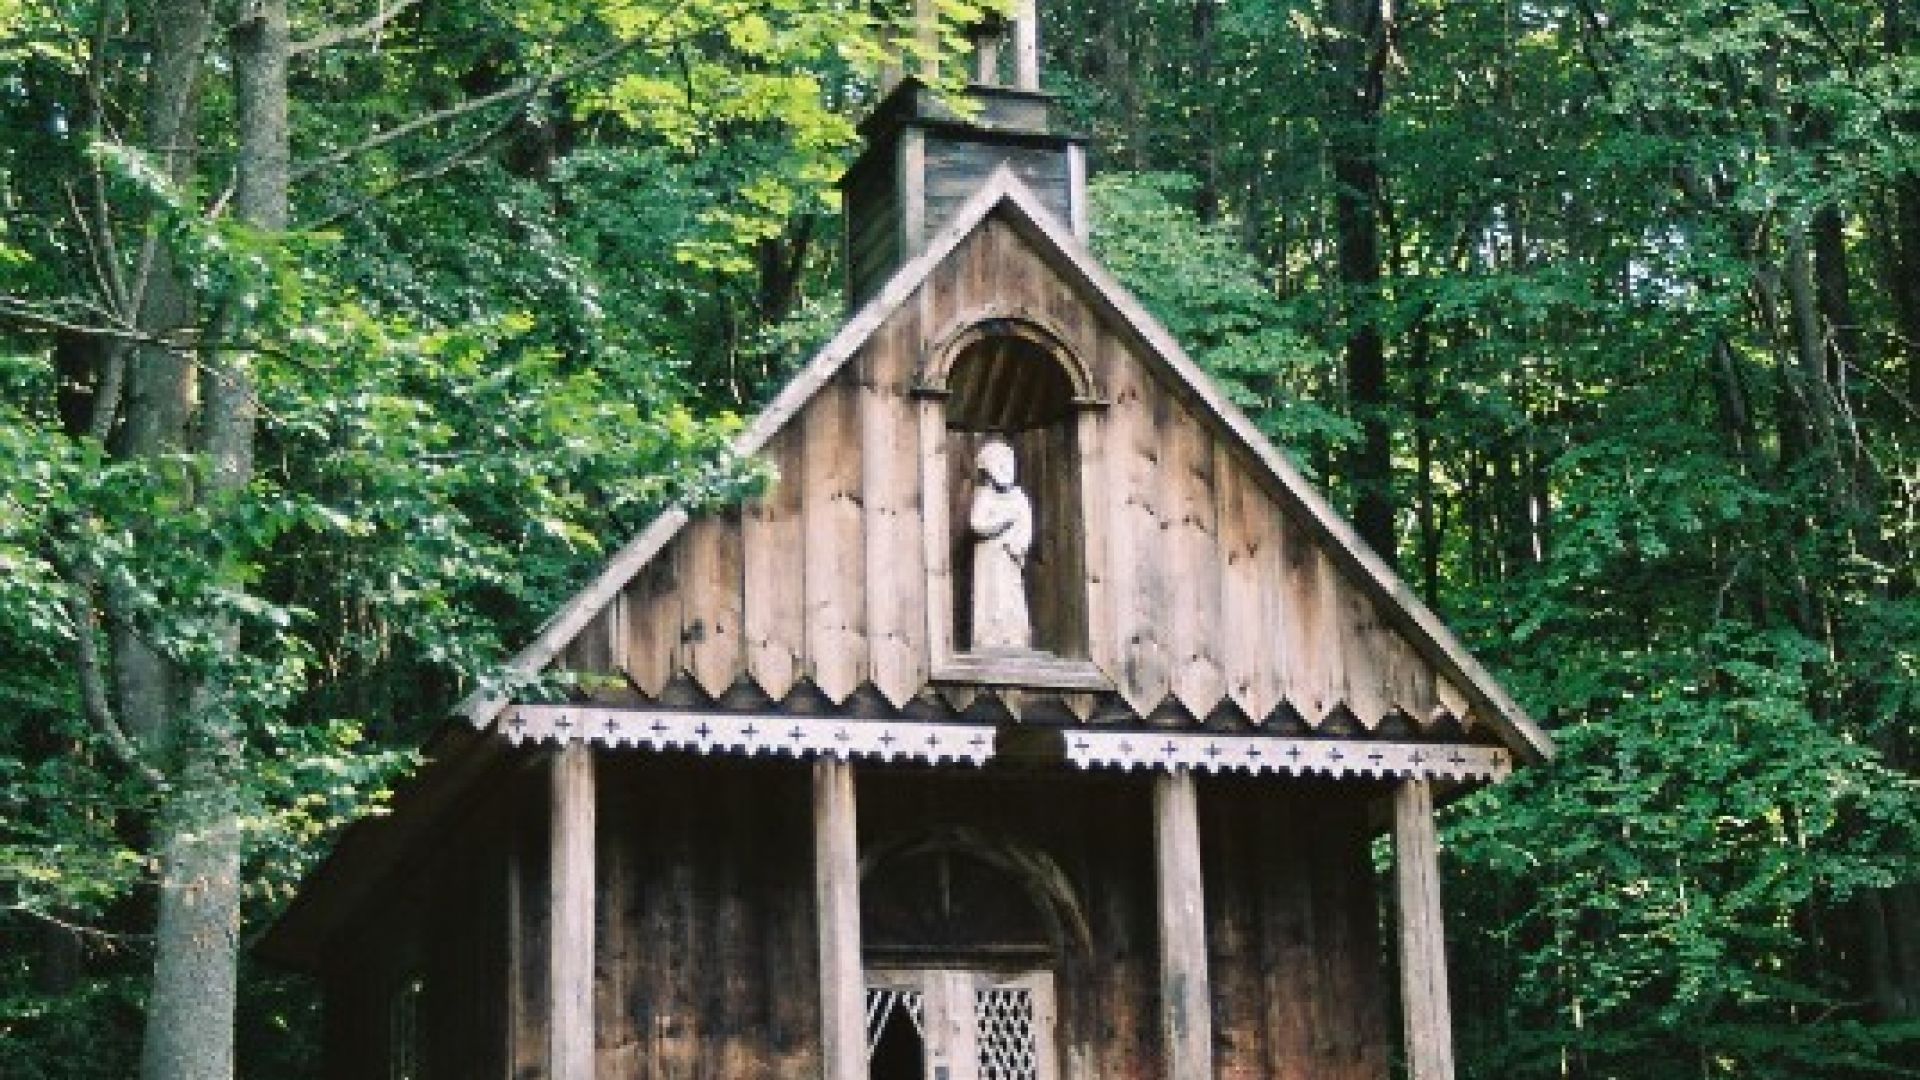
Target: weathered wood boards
x: 836, y: 854
x: 1427, y: 1014
x: 570, y: 962
x: 711, y: 920
x: 1292, y: 931
x: 708, y: 959
x: 1186, y: 1004
x: 1192, y: 584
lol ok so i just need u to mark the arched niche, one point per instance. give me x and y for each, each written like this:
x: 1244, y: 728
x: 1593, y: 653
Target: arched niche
x: 1012, y: 379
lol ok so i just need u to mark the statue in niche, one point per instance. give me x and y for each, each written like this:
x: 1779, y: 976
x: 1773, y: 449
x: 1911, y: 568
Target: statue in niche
x: 1001, y: 523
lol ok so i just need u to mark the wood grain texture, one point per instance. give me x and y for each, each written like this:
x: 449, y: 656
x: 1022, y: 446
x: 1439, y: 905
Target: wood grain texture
x: 1004, y: 207
x: 1291, y: 916
x: 1427, y: 1014
x: 835, y: 556
x: 529, y: 861
x: 651, y: 612
x: 937, y: 547
x: 1071, y: 850
x: 1136, y: 546
x: 773, y: 544
x: 1186, y: 1009
x: 1252, y: 623
x: 1090, y: 435
x: 896, y: 585
x: 1309, y: 633
x: 712, y: 617
x: 1162, y: 554
x: 1194, y: 568
x: 1363, y: 656
x: 708, y: 954
x: 836, y: 854
x: 570, y: 962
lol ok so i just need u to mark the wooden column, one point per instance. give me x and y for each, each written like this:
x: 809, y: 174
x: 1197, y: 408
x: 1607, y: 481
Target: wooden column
x: 836, y: 868
x: 1186, y: 1004
x: 571, y: 895
x: 1423, y: 953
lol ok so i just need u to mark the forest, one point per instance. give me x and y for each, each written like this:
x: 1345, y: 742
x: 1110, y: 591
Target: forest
x: 340, y: 340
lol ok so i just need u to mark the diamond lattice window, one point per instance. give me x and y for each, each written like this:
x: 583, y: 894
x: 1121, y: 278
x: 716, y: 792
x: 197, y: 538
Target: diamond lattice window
x: 1004, y: 1019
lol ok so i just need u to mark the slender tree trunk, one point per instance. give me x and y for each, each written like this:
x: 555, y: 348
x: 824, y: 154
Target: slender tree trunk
x: 1833, y: 280
x: 159, y: 379
x: 1904, y: 231
x: 190, y: 1015
x: 1420, y: 365
x: 1359, y: 86
x: 1206, y: 105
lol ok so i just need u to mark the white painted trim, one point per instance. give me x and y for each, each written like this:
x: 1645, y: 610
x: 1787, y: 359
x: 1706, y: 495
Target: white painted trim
x: 789, y: 735
x: 1160, y: 750
x: 751, y: 735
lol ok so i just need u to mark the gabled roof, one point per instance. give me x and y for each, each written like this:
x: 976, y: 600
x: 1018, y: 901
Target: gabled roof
x: 1005, y: 194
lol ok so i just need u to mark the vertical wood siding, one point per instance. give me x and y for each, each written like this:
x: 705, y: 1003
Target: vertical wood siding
x: 1204, y: 590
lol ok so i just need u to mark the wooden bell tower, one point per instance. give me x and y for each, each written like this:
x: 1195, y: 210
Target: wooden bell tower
x: 924, y: 157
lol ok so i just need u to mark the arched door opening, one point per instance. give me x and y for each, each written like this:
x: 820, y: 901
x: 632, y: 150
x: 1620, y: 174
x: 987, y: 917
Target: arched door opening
x: 961, y: 947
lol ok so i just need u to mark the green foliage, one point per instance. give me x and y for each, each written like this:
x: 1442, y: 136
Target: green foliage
x: 1214, y: 298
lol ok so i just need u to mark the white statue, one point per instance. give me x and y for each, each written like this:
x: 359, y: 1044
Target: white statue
x: 1001, y: 521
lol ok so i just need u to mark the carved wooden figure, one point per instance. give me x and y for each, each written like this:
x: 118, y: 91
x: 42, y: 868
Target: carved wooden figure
x: 1037, y: 724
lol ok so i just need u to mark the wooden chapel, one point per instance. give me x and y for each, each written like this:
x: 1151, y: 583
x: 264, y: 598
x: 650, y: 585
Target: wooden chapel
x: 1036, y: 723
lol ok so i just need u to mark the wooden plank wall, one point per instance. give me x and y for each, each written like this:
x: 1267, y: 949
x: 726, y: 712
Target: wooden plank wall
x: 707, y: 957
x: 1299, y: 990
x: 1297, y: 983
x: 1210, y: 594
x: 957, y: 168
x: 873, y: 246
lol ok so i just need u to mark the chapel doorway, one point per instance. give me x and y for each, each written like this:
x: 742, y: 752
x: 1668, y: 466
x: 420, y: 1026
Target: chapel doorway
x: 960, y: 1024
x: 961, y: 944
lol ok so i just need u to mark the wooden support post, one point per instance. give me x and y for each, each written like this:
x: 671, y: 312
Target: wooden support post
x: 1423, y: 953
x: 836, y: 868
x: 1026, y: 46
x: 570, y: 1042
x: 1186, y: 1003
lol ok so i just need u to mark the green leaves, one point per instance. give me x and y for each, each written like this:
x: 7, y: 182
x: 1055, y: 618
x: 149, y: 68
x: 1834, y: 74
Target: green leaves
x: 1215, y: 300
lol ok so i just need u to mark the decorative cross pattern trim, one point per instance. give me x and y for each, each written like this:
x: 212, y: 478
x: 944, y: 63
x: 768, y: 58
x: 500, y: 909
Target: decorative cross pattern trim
x: 711, y: 733
x: 1300, y: 757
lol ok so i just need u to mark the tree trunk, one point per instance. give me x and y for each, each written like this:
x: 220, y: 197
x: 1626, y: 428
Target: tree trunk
x: 1359, y: 56
x: 190, y: 1013
x: 1904, y: 231
x: 1206, y: 104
